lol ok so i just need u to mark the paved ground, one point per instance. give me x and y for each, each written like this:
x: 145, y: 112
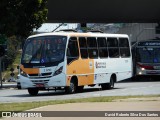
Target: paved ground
x: 121, y: 89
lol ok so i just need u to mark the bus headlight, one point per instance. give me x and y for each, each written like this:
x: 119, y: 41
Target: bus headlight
x: 142, y: 69
x: 140, y: 73
x: 58, y: 71
x: 23, y: 73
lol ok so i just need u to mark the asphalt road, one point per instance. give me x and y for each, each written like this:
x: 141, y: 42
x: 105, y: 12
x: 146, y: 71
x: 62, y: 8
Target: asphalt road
x: 121, y: 89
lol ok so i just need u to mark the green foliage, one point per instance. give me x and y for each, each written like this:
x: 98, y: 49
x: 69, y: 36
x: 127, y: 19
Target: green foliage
x: 12, y: 49
x: 3, y: 39
x: 19, y: 17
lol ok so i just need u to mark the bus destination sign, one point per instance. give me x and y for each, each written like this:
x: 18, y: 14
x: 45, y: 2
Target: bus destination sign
x: 149, y: 43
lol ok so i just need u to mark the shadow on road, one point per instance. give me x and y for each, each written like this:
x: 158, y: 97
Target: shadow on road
x: 142, y: 79
x: 95, y: 89
x: 60, y: 92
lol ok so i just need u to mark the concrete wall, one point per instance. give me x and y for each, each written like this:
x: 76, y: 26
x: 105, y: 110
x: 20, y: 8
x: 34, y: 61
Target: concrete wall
x: 136, y: 31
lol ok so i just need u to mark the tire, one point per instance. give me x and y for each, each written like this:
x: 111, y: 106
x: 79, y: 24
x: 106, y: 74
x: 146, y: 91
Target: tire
x: 33, y: 91
x: 19, y: 87
x: 79, y: 89
x: 71, y: 89
x: 110, y: 85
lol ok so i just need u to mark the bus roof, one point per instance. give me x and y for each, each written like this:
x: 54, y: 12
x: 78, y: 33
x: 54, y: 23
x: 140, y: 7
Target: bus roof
x: 79, y: 34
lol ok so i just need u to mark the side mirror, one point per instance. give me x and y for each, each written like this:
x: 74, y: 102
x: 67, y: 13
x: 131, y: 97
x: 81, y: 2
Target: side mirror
x: 2, y: 51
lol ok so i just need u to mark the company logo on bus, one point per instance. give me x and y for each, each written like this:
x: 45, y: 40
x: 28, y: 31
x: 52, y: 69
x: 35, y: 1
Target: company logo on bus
x: 100, y: 65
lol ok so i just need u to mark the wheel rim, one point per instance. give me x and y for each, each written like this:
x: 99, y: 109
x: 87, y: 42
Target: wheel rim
x: 72, y: 87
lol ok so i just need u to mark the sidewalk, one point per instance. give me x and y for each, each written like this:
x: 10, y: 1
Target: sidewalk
x: 8, y: 85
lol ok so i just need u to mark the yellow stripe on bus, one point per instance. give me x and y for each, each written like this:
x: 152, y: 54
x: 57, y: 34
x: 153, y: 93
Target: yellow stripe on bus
x: 30, y: 70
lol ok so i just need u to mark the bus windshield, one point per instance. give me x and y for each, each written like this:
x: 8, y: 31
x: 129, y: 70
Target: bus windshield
x: 148, y: 55
x: 45, y: 49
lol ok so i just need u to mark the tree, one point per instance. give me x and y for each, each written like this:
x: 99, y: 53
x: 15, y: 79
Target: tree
x: 12, y: 44
x: 19, y: 17
x: 3, y: 39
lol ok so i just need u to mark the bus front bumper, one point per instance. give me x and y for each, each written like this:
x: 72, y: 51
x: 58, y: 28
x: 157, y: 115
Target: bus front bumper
x: 148, y: 72
x: 54, y: 81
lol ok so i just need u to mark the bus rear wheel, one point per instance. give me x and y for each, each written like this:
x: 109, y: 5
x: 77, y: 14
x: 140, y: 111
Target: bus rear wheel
x: 109, y: 85
x: 33, y: 91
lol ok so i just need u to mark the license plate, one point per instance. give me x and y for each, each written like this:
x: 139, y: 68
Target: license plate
x: 39, y: 85
x: 153, y: 72
x: 156, y: 67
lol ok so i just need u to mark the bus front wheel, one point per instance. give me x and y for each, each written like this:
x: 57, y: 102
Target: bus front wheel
x: 71, y: 89
x: 33, y: 91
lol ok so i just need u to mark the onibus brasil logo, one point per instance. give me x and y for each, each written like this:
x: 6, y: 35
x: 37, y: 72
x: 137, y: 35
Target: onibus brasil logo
x: 21, y: 114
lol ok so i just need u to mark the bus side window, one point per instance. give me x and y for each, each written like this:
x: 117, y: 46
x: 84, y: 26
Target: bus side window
x: 92, y: 47
x: 113, y: 48
x: 83, y: 47
x: 124, y: 47
x: 102, y: 47
x: 72, y: 50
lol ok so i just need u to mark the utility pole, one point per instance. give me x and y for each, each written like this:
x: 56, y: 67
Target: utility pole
x: 2, y: 51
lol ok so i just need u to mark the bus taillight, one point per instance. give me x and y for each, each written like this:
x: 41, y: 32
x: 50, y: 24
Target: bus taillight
x: 147, y: 67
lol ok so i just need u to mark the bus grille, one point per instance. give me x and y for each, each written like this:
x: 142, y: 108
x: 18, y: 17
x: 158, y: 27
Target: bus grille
x: 40, y: 81
x: 42, y: 75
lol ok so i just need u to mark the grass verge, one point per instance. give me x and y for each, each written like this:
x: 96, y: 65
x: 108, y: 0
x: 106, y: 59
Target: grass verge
x: 30, y: 105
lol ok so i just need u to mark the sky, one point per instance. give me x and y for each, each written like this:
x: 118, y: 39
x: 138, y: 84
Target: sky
x: 49, y: 27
